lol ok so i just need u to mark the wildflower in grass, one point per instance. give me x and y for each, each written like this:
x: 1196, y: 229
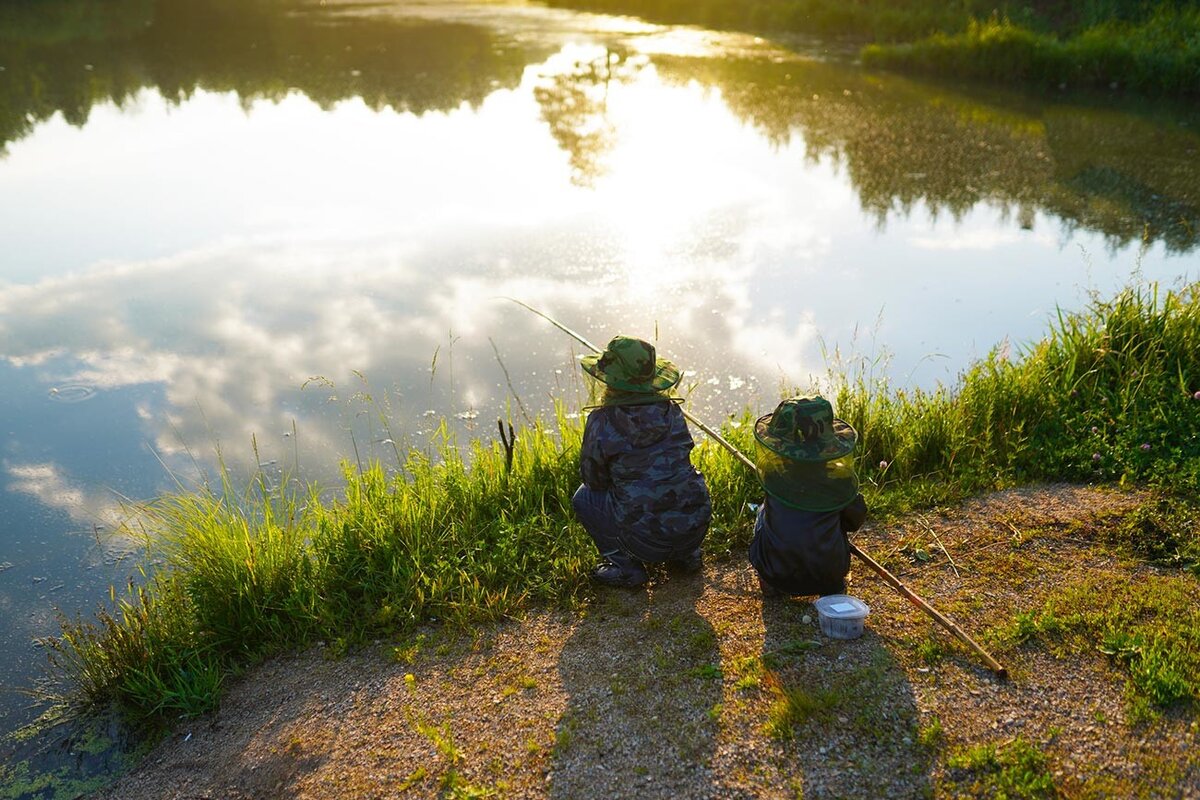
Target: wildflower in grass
x: 1095, y: 456
x: 1196, y: 396
x: 1095, y: 429
x: 1146, y: 447
x: 883, y: 465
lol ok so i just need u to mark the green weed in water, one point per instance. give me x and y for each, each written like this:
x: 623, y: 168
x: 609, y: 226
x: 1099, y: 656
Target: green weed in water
x: 17, y: 781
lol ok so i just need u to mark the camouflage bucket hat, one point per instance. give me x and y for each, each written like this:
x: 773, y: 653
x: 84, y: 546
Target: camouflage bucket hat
x: 631, y: 365
x: 804, y: 429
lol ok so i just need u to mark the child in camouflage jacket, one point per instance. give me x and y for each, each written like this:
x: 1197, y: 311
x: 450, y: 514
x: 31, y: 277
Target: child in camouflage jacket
x: 641, y: 499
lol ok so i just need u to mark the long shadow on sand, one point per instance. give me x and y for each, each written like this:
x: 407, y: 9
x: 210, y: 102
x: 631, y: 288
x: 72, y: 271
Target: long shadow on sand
x: 844, y: 710
x: 639, y: 720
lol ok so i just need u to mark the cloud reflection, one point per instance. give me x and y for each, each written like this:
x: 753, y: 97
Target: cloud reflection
x: 377, y: 244
x: 92, y: 509
x: 231, y: 351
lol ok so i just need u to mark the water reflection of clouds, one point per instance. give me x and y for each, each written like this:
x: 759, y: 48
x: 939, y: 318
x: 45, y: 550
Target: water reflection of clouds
x: 209, y: 170
x: 375, y: 239
x: 247, y: 336
x: 92, y: 509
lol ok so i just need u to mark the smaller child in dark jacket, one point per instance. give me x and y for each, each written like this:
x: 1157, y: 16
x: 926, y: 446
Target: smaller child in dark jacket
x: 805, y: 462
x: 641, y: 499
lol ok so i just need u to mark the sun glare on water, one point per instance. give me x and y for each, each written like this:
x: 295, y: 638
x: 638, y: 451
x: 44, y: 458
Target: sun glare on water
x: 664, y: 181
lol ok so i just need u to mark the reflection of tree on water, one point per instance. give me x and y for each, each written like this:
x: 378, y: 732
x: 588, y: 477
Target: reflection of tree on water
x: 1136, y: 180
x: 64, y: 21
x: 904, y: 144
x: 574, y: 104
x: 70, y: 62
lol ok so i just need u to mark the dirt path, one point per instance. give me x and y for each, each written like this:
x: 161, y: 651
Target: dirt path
x: 699, y: 688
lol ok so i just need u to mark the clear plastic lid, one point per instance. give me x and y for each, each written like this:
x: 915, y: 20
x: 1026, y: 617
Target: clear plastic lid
x: 842, y: 606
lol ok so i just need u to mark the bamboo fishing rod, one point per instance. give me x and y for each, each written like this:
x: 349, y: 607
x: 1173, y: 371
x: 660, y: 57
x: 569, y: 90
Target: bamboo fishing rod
x: 879, y: 569
x: 716, y: 436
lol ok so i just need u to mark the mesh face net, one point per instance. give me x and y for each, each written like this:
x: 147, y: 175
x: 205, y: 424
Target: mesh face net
x: 601, y: 394
x: 807, y: 485
x: 595, y: 390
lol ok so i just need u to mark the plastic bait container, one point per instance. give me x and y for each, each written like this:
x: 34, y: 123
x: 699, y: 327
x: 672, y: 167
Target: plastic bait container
x: 841, y: 616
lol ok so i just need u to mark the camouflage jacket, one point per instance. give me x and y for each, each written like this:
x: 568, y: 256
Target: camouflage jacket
x: 640, y: 455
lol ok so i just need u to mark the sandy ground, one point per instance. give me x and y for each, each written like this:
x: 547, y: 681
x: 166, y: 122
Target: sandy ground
x: 680, y: 689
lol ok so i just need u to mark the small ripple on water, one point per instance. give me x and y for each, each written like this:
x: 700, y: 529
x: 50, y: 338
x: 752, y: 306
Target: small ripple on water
x: 71, y: 393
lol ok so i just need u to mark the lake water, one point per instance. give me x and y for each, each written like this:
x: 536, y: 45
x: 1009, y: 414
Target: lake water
x: 271, y: 235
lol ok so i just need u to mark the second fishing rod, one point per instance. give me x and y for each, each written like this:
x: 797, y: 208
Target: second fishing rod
x: 876, y: 567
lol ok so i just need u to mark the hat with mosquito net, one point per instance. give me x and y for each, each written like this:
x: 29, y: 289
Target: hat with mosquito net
x: 805, y: 455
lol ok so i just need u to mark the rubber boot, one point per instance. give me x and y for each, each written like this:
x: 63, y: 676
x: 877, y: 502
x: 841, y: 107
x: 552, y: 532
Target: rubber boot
x: 621, y: 570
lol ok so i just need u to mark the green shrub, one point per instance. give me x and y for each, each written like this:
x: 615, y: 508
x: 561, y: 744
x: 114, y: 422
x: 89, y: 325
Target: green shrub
x: 1158, y: 55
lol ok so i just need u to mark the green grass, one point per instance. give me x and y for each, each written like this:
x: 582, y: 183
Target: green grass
x: 1163, y: 531
x: 852, y: 697
x: 1149, y: 47
x: 1109, y: 395
x: 149, y: 656
x: 1160, y: 55
x: 795, y: 706
x: 931, y: 736
x: 1149, y: 629
x: 460, y: 540
x: 1015, y: 769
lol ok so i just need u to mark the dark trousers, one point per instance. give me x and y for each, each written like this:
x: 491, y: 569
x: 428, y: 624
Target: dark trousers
x: 595, y: 513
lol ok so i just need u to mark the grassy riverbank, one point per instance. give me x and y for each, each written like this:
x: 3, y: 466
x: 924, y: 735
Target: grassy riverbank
x: 697, y: 686
x: 1147, y: 47
x: 1111, y: 394
x: 1158, y: 55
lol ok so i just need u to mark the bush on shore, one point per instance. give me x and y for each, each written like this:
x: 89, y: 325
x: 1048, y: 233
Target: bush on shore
x: 1147, y: 47
x: 1158, y: 56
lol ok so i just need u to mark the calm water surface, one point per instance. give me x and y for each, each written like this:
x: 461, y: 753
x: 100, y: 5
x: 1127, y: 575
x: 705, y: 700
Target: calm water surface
x: 264, y: 229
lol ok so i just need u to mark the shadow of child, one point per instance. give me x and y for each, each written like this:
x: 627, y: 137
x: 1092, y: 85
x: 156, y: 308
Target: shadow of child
x: 843, y: 709
x: 639, y: 720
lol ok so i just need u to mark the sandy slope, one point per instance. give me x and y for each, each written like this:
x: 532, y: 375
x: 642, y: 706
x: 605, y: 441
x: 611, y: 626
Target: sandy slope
x: 670, y: 692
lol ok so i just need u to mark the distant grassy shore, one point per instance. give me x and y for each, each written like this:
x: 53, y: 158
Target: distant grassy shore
x: 1111, y: 394
x: 1138, y: 45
